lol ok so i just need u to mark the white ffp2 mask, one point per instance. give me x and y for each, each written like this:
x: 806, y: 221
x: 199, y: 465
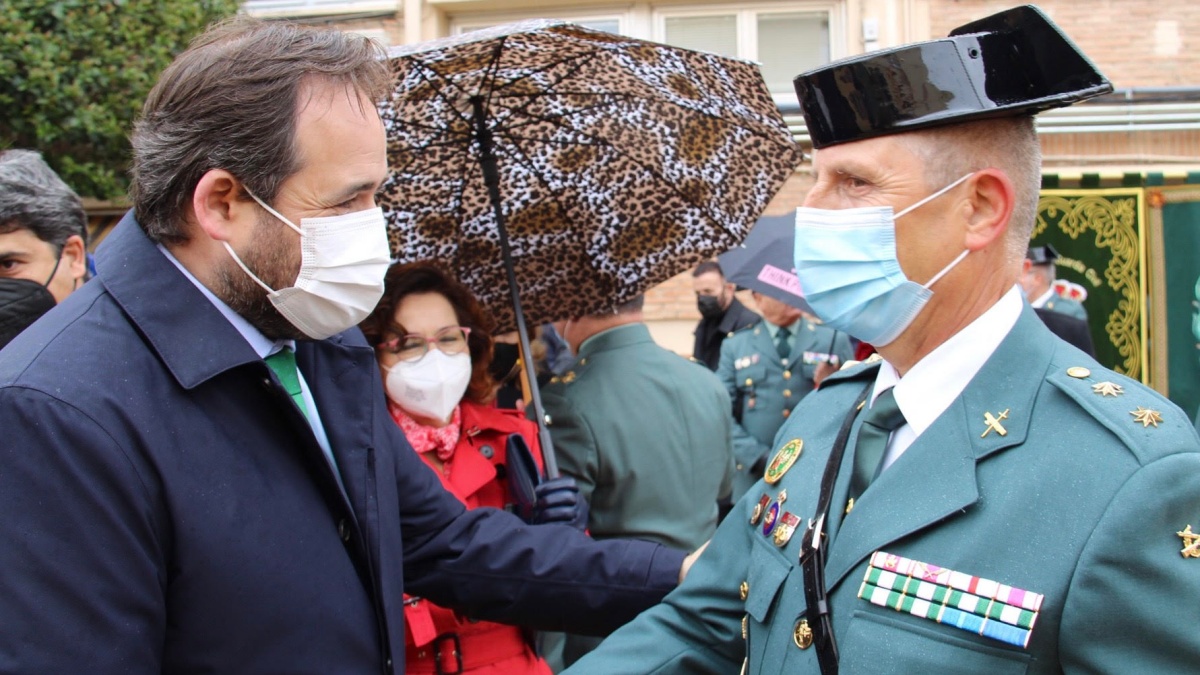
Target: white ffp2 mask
x: 343, y: 261
x: 430, y: 386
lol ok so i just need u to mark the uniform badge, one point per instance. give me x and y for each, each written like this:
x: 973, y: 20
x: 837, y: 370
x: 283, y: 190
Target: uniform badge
x: 786, y: 527
x: 783, y: 460
x: 1107, y: 389
x: 759, y: 509
x: 982, y: 606
x: 1191, y: 543
x: 1146, y: 416
x: 993, y: 423
x: 772, y: 514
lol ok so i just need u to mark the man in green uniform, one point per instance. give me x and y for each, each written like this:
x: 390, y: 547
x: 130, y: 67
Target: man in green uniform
x: 767, y: 368
x: 985, y: 498
x: 1037, y: 280
x: 644, y: 432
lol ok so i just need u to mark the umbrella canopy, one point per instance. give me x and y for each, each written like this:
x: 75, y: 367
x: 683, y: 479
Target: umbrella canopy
x: 764, y: 262
x: 619, y: 162
x: 561, y: 170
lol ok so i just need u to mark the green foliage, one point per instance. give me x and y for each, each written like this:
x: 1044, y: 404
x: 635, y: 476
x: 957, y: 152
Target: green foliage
x: 74, y: 73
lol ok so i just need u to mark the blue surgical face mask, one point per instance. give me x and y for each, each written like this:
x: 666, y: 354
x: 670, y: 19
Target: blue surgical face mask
x: 849, y: 273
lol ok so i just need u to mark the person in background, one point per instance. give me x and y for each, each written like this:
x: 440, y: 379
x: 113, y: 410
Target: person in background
x: 434, y: 348
x: 721, y: 313
x: 43, y: 241
x: 1037, y: 280
x: 644, y: 431
x: 767, y: 369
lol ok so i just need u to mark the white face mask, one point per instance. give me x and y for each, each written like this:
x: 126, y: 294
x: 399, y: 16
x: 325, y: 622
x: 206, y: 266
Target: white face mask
x: 430, y: 386
x: 343, y: 261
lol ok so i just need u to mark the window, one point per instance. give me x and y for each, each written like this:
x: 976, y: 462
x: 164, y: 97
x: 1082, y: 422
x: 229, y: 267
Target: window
x: 317, y: 7
x: 785, y: 43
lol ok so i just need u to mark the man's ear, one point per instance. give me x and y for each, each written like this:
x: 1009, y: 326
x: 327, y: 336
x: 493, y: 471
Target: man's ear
x: 990, y: 199
x: 74, y: 257
x: 217, y: 204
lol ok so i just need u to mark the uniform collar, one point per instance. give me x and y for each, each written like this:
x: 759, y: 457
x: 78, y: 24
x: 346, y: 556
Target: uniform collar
x: 929, y: 387
x: 613, y: 338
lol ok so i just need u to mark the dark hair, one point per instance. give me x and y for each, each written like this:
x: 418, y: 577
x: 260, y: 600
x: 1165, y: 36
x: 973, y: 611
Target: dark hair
x: 34, y: 198
x: 407, y: 279
x: 708, y: 266
x: 229, y: 102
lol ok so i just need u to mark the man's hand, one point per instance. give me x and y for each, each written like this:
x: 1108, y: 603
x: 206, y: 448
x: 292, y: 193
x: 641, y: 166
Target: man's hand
x: 690, y: 559
x: 558, y: 501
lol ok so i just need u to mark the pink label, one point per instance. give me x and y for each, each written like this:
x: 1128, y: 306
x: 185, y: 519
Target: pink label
x: 780, y: 279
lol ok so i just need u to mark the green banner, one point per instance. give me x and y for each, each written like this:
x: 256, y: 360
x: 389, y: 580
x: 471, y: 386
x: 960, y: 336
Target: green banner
x: 1098, y: 235
x: 1175, y: 222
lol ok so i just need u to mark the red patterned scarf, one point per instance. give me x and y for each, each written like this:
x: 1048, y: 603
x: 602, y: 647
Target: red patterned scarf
x: 426, y: 439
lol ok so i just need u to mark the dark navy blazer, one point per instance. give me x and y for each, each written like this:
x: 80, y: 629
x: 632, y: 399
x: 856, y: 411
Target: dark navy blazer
x: 164, y: 507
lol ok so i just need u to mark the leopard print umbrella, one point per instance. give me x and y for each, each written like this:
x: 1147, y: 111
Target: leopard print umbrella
x: 621, y: 162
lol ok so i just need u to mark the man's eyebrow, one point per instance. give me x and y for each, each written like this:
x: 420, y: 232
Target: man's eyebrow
x: 365, y: 186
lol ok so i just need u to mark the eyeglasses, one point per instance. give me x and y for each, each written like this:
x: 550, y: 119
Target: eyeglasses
x: 450, y: 340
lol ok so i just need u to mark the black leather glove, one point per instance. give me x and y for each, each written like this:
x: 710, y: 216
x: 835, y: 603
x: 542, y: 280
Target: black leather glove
x: 558, y: 501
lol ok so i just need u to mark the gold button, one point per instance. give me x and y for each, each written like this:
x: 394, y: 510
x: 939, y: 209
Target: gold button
x: 744, y: 590
x: 1078, y: 372
x: 787, y: 393
x: 740, y: 467
x: 802, y: 635
x: 787, y: 374
x: 787, y: 412
x: 583, y: 361
x: 749, y: 382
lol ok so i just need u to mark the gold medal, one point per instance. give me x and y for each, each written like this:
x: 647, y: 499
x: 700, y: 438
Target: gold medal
x: 783, y: 460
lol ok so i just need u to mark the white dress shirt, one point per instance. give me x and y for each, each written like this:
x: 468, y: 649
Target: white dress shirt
x: 932, y: 384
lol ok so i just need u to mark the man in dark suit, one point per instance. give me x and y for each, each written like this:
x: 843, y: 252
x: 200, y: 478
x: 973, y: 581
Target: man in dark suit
x: 199, y: 473
x: 1073, y: 330
x: 722, y: 314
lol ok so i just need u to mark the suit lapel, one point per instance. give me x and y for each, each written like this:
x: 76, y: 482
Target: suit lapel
x: 935, y: 477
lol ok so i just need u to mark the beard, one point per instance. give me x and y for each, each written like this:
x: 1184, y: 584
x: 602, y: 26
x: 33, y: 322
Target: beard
x: 274, y: 256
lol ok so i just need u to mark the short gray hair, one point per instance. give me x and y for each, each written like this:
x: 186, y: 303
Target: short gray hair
x: 34, y: 198
x: 1006, y: 143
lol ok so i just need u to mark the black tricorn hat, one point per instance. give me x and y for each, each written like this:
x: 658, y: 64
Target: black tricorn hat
x: 1041, y: 255
x: 1013, y: 63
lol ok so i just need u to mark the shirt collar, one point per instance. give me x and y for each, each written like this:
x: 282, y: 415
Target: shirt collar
x: 931, y: 385
x: 261, y: 344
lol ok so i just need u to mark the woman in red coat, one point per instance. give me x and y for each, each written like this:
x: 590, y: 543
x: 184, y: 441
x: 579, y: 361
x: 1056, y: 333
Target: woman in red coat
x: 433, y: 344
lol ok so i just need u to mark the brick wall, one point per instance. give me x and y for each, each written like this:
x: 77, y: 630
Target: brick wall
x: 1135, y: 43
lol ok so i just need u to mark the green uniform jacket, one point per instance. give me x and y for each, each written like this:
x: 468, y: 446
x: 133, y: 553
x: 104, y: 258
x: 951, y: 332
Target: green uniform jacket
x: 1078, y: 501
x: 764, y: 389
x: 1066, y: 306
x: 645, y: 432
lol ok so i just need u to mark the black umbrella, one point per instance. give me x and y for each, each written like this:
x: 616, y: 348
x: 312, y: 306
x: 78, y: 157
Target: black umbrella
x: 765, y: 262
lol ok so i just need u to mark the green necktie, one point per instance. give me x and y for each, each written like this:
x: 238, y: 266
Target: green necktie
x: 781, y: 342
x: 882, y: 419
x: 283, y: 362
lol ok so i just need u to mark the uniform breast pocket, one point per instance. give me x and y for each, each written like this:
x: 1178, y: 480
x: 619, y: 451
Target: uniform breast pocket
x: 750, y: 377
x: 768, y: 570
x: 878, y: 644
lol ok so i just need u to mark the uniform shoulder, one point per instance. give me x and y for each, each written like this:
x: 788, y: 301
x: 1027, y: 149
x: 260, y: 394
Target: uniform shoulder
x: 854, y: 371
x: 1146, y: 422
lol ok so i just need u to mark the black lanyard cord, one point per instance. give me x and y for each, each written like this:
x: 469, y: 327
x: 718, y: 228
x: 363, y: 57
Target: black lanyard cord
x: 812, y: 554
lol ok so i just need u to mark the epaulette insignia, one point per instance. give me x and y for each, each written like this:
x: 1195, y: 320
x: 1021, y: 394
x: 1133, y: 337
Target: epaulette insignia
x: 1107, y: 389
x: 569, y: 377
x: 1191, y: 543
x: 849, y: 364
x: 1146, y: 416
x: 873, y: 358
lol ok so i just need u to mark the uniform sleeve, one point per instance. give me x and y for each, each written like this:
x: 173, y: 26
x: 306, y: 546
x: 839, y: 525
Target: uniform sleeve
x: 80, y: 545
x: 696, y: 630
x: 1134, y: 602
